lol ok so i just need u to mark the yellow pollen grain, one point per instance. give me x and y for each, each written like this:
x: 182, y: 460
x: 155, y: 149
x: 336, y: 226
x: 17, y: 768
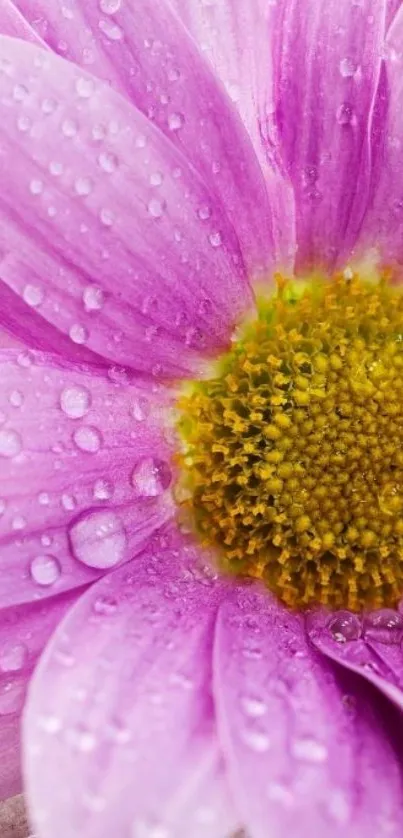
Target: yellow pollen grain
x: 292, y: 460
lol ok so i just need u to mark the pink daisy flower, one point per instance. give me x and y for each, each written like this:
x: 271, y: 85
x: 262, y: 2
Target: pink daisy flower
x: 160, y: 162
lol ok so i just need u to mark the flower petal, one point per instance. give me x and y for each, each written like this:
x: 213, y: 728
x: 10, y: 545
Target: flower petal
x: 145, y: 52
x: 126, y: 734
x: 383, y: 225
x: 371, y: 649
x: 328, y: 66
x: 234, y: 36
x: 300, y: 751
x: 24, y: 632
x: 93, y: 194
x: 84, y: 470
x: 13, y: 23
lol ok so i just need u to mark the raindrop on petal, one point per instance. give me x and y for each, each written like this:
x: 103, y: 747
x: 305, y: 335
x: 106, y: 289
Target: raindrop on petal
x: 98, y: 539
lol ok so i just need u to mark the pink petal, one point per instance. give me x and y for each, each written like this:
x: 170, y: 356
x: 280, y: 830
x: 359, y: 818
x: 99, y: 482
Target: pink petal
x: 383, y: 225
x: 144, y: 51
x: 235, y: 36
x: 372, y: 648
x: 24, y: 632
x: 94, y: 195
x: 84, y: 470
x: 125, y: 733
x: 327, y: 56
x: 13, y: 23
x: 304, y: 757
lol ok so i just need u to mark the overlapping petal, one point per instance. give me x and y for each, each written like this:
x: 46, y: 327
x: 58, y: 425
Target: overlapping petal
x: 124, y: 728
x: 84, y: 473
x: 305, y: 746
x: 12, y: 22
x: 372, y: 648
x: 158, y: 67
x: 327, y: 67
x: 24, y: 632
x: 94, y: 194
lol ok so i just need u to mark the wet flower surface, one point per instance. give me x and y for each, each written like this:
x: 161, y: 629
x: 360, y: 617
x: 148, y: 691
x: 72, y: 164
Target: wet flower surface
x: 201, y: 199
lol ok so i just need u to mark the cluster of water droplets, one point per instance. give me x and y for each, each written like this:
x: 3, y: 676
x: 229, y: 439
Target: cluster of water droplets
x: 383, y: 626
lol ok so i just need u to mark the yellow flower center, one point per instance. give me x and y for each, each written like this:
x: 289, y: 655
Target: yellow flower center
x: 292, y: 462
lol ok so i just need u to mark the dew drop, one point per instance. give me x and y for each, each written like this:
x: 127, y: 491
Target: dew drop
x: 78, y: 334
x: 103, y: 489
x: 105, y: 605
x: 56, y: 168
x: 253, y: 707
x: 257, y: 740
x: 20, y: 92
x: 83, y: 186
x: 139, y: 409
x: 93, y: 298
x: 348, y: 68
x: 111, y: 30
x: 69, y: 128
x: 36, y: 186
x: 45, y: 570
x: 84, y: 87
x: 108, y: 162
x: 344, y: 626
x: 33, y: 295
x: 110, y: 7
x: 68, y: 502
x: 87, y: 438
x: 106, y: 217
x: 151, y: 477
x: 156, y: 208
x: 18, y: 522
x: 43, y: 499
x: 204, y: 212
x: 309, y: 750
x: 10, y: 443
x: 13, y: 657
x: 75, y: 402
x: 49, y: 106
x: 156, y: 178
x: 175, y: 121
x: 98, y: 539
x: 16, y: 398
x: 384, y: 626
x: 215, y: 239
x: 344, y: 114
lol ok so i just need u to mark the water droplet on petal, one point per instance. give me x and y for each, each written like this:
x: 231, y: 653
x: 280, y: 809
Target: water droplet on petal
x: 111, y: 30
x: 10, y: 443
x: 85, y: 87
x: 87, y: 438
x: 33, y: 295
x: 345, y: 114
x: 105, y: 605
x: 93, y: 298
x: 215, y: 239
x: 36, y: 186
x: 151, y: 477
x: 78, y: 334
x: 13, y: 657
x: 110, y: 7
x: 56, y: 168
x: 83, y: 186
x: 348, y: 68
x: 50, y: 724
x: 103, y: 489
x: 106, y: 217
x: 175, y: 121
x: 156, y: 178
x: 309, y: 750
x: 344, y: 626
x: 16, y: 398
x: 45, y: 570
x: 204, y: 212
x: 69, y: 128
x: 156, y: 208
x: 108, y: 161
x: 75, y: 402
x: 20, y: 92
x: 257, y: 740
x: 68, y: 502
x: 253, y: 707
x: 384, y: 626
x: 98, y: 539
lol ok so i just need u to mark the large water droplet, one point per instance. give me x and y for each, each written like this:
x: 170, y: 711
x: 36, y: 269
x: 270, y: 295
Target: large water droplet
x: 87, y: 438
x: 45, y: 570
x: 151, y: 477
x: 33, y: 295
x: 13, y: 657
x: 10, y: 443
x: 344, y: 626
x: 78, y: 334
x: 75, y: 402
x: 383, y: 626
x: 99, y: 539
x: 93, y: 298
